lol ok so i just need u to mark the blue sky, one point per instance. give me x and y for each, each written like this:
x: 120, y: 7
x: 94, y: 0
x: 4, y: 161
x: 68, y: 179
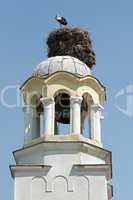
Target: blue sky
x: 24, y: 26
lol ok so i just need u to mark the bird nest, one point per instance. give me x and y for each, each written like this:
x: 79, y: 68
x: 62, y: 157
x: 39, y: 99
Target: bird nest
x: 74, y: 42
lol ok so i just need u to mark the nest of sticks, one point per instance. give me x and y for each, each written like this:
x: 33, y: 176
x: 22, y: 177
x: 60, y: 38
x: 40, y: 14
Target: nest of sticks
x: 74, y: 42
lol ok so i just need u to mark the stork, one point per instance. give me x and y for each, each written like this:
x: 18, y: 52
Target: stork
x: 61, y: 20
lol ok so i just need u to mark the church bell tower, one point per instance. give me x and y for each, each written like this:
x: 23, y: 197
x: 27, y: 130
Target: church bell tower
x: 63, y: 155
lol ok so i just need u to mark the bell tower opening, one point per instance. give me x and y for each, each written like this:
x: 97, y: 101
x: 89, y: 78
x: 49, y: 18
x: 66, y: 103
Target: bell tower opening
x: 32, y: 115
x: 85, y: 115
x: 62, y: 113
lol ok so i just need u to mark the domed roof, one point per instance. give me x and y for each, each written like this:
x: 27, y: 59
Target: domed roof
x: 62, y: 63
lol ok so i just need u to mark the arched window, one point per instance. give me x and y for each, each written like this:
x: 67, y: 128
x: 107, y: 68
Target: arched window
x: 85, y: 115
x: 32, y: 111
x: 62, y: 113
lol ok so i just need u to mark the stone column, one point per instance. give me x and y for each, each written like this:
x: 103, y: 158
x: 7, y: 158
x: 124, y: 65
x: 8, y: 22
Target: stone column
x: 95, y: 122
x: 31, y: 123
x: 75, y: 114
x: 49, y: 115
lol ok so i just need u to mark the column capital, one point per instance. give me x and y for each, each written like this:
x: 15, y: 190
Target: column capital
x: 29, y: 108
x: 76, y: 99
x: 47, y: 100
x: 97, y: 107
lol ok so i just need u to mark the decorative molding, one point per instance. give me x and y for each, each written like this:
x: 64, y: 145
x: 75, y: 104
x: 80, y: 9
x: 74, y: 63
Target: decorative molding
x: 71, y: 184
x: 67, y: 180
x: 48, y: 186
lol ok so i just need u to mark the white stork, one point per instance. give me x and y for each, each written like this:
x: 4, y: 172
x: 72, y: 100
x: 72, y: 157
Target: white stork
x: 61, y: 20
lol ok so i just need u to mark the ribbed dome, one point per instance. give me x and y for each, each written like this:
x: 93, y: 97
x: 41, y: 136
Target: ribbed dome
x: 62, y: 63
